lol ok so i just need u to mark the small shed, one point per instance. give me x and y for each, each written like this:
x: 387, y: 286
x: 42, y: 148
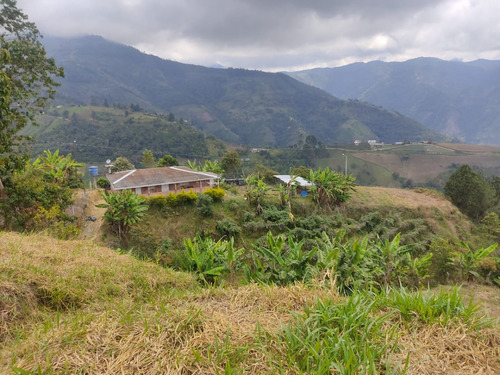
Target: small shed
x: 301, y: 183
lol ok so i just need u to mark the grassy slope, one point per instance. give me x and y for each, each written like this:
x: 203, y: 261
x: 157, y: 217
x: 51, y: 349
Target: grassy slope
x: 73, y: 307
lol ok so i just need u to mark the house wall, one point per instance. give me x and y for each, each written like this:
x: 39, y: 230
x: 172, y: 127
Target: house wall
x: 165, y: 189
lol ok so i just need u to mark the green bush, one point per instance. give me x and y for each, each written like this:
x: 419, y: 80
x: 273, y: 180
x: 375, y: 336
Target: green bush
x: 227, y: 228
x: 158, y: 201
x: 181, y: 198
x: 172, y: 199
x: 103, y: 183
x: 143, y: 243
x: 186, y: 198
x: 442, y: 269
x: 204, y: 205
x: 275, y: 215
x: 215, y: 193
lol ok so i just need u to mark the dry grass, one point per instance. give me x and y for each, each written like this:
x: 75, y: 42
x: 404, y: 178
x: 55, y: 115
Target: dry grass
x: 423, y: 167
x: 470, y: 147
x: 451, y: 350
x: 74, y: 307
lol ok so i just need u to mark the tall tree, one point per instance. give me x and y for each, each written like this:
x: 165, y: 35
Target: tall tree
x: 470, y: 192
x: 231, y: 164
x: 27, y: 82
x: 148, y: 159
x: 167, y: 161
x: 122, y: 164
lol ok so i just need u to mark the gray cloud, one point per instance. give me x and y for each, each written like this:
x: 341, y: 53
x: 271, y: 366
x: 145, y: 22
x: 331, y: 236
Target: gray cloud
x: 279, y: 34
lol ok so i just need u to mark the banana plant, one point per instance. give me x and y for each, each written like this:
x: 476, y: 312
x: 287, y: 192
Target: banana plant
x: 468, y: 260
x: 124, y: 209
x: 281, y: 261
x: 210, y: 259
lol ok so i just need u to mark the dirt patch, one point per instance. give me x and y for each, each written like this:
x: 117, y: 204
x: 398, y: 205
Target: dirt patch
x: 86, y: 211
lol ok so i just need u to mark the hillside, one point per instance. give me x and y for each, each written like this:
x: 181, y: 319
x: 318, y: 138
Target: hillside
x: 73, y: 307
x: 238, y: 106
x: 94, y: 134
x: 79, y: 307
x: 432, y: 163
x: 451, y: 97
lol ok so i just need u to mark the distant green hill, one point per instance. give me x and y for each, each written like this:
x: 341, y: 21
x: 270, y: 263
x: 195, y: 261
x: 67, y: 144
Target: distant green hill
x: 236, y: 105
x: 95, y: 134
x: 454, y: 98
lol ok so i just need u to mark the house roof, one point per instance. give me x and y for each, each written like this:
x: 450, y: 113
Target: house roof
x: 136, y: 178
x: 299, y: 181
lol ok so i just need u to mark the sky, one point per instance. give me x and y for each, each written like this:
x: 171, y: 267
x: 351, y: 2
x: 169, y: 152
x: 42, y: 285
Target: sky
x: 281, y: 35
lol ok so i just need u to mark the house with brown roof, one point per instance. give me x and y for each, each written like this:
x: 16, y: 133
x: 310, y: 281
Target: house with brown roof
x: 154, y: 181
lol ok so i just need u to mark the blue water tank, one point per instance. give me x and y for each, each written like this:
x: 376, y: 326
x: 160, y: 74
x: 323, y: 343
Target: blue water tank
x: 93, y: 170
x: 303, y: 193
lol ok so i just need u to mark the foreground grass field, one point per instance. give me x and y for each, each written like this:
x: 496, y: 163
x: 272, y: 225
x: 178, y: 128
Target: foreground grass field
x: 74, y: 307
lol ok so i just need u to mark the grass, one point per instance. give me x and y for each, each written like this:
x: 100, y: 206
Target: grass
x: 70, y: 307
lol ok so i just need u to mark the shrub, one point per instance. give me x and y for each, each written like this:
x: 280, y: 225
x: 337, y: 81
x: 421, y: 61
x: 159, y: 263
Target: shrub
x: 143, y: 243
x: 227, y: 228
x: 181, y: 198
x: 103, y: 183
x: 275, y: 215
x: 441, y: 267
x: 158, y: 201
x: 186, y: 198
x: 215, y: 193
x: 204, y: 205
x: 172, y: 199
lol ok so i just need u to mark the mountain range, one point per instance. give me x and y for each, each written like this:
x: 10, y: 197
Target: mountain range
x: 458, y: 99
x: 238, y: 106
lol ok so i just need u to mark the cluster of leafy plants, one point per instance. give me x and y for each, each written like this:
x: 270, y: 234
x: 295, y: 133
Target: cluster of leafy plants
x: 124, y: 209
x: 361, y: 334
x: 36, y: 196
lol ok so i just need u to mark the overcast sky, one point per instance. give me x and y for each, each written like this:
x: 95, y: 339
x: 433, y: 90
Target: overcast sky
x: 275, y: 35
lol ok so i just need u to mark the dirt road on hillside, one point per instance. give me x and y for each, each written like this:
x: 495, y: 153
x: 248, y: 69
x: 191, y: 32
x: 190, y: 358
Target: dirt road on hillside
x: 84, y: 207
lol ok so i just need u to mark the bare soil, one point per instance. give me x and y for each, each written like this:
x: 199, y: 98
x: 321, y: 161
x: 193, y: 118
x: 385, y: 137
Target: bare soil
x: 85, y: 208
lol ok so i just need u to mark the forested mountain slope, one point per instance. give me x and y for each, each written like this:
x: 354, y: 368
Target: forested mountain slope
x: 455, y: 98
x: 236, y: 105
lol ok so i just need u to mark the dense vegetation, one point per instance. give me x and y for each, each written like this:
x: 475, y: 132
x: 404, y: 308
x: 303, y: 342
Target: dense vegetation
x: 95, y: 134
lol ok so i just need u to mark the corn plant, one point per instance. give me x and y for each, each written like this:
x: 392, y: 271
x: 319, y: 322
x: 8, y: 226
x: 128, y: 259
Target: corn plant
x: 427, y: 307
